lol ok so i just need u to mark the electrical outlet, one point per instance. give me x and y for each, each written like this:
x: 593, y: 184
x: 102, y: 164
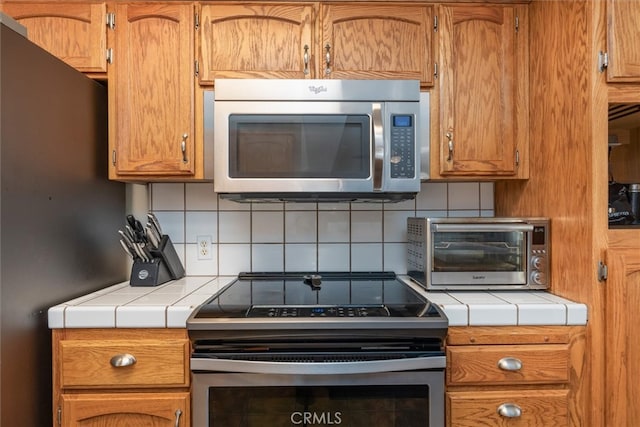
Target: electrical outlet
x: 204, y: 248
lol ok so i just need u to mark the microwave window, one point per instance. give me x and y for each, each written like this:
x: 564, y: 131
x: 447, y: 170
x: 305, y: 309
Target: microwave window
x: 299, y: 146
x: 479, y: 251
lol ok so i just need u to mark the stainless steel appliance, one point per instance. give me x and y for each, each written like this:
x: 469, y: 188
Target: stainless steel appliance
x: 352, y: 349
x: 479, y: 253
x: 58, y: 213
x: 324, y: 140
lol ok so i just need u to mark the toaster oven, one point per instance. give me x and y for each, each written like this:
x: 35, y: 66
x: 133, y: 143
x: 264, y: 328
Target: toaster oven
x: 479, y: 253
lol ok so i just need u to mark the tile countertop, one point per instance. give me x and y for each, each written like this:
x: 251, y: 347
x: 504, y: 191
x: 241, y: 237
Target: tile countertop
x: 169, y: 306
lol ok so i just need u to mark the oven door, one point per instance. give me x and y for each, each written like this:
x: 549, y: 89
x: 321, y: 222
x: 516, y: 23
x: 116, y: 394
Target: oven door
x: 478, y: 254
x: 353, y: 394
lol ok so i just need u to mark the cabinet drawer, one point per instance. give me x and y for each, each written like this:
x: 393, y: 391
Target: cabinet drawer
x: 94, y: 364
x: 508, y: 364
x: 508, y: 408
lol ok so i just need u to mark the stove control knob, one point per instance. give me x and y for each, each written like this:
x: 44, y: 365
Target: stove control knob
x: 538, y: 262
x: 539, y: 278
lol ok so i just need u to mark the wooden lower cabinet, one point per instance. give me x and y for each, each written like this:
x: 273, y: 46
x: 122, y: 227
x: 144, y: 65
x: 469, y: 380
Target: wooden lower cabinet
x: 513, y: 376
x: 125, y: 409
x: 121, y: 377
x: 533, y: 408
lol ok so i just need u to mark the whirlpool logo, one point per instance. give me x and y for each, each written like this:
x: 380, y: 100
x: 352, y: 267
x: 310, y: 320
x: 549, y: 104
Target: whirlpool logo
x: 316, y: 418
x: 317, y: 89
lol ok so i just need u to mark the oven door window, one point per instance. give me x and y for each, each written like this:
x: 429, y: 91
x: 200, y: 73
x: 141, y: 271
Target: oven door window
x: 299, y: 146
x: 353, y: 406
x: 468, y: 251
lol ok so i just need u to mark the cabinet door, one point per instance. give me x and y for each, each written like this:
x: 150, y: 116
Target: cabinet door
x: 151, y: 90
x: 376, y: 41
x: 256, y: 40
x: 623, y: 40
x: 483, y: 90
x: 74, y: 32
x: 622, y: 294
x: 126, y: 409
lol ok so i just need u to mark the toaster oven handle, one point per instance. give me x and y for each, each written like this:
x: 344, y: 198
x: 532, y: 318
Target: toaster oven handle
x: 481, y: 227
x: 377, y: 146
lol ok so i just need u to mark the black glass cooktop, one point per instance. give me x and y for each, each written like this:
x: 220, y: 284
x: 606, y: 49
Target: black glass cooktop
x: 317, y: 295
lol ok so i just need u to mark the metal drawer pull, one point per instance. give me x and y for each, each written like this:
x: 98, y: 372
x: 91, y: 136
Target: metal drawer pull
x: 121, y: 360
x: 510, y: 364
x: 509, y: 410
x: 178, y: 414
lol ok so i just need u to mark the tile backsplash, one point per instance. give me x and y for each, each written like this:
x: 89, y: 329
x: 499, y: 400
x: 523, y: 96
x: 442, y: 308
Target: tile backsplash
x: 302, y: 236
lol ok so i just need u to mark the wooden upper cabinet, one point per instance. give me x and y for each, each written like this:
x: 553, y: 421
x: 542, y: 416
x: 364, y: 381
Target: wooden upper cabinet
x: 328, y: 40
x: 151, y: 91
x: 376, y: 41
x: 623, y: 40
x: 74, y: 32
x: 256, y: 40
x: 483, y: 97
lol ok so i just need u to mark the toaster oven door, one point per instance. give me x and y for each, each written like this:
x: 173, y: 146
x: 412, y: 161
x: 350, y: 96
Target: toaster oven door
x: 478, y: 254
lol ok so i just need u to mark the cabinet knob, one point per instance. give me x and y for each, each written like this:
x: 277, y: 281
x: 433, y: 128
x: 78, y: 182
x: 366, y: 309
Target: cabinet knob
x: 510, y: 364
x: 509, y: 410
x: 121, y: 360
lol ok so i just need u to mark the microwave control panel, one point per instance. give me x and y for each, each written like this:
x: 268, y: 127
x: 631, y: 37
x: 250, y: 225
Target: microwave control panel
x: 402, y: 145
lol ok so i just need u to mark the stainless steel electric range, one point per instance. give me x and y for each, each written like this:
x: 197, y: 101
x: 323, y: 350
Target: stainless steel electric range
x: 294, y: 349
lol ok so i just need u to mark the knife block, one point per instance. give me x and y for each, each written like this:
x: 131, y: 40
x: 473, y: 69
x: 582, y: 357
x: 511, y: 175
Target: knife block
x: 152, y: 273
x: 164, y: 266
x: 167, y: 253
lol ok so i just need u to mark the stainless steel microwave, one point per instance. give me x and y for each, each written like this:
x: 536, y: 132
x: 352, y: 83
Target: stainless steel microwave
x: 319, y: 140
x: 479, y: 253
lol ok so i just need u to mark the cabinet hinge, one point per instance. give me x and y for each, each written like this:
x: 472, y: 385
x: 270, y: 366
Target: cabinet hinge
x: 517, y: 23
x: 110, y: 56
x: 113, y: 157
x: 111, y: 20
x: 603, y: 271
x: 435, y: 24
x: 603, y: 61
x: 197, y: 21
x: 517, y: 158
x: 59, y: 416
x: 196, y: 67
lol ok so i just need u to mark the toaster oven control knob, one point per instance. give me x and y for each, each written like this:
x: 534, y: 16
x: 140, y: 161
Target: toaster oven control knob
x: 539, y: 278
x: 538, y: 262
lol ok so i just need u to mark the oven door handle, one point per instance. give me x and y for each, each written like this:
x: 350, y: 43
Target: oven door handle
x: 329, y: 368
x: 481, y: 227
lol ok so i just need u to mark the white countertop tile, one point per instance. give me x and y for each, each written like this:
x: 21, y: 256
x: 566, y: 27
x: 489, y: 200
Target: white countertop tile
x: 169, y: 305
x: 493, y: 314
x: 577, y: 314
x: 90, y: 316
x: 136, y: 316
x: 541, y: 314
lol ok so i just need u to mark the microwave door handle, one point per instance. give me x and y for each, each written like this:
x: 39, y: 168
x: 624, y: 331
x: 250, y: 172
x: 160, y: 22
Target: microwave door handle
x: 480, y: 227
x: 377, y: 146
